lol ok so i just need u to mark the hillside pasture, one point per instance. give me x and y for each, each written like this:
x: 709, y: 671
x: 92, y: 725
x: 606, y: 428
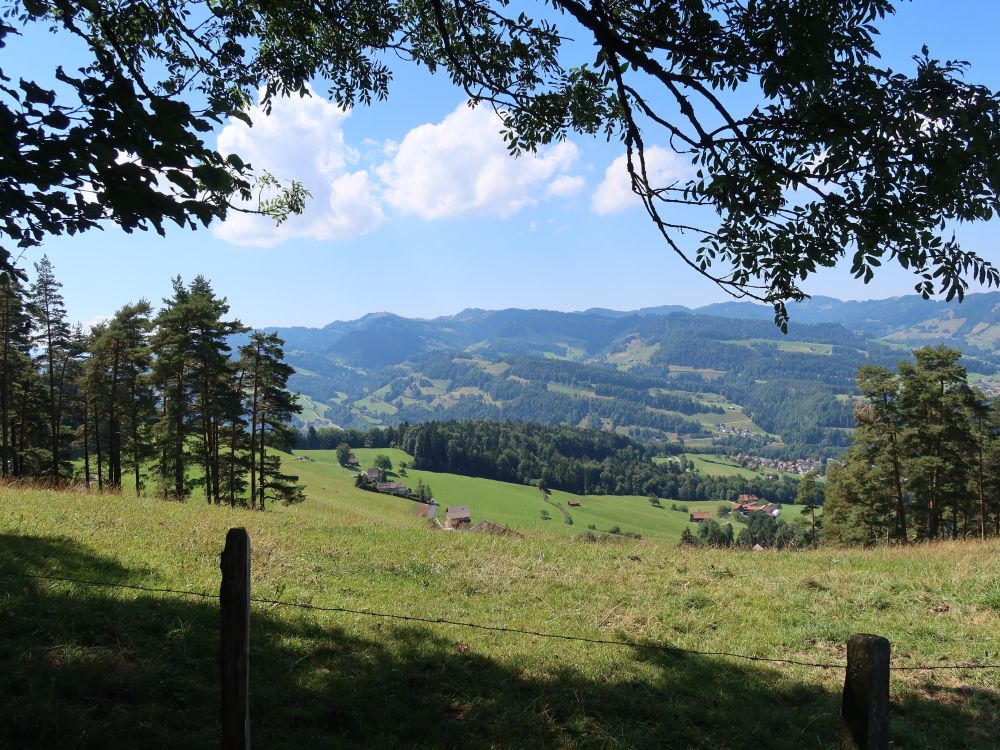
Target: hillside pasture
x: 515, y: 505
x: 121, y: 668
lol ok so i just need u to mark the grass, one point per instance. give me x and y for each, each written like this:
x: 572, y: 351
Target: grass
x: 799, y: 347
x: 515, y: 505
x: 570, y: 390
x: 96, y: 667
x: 705, y: 372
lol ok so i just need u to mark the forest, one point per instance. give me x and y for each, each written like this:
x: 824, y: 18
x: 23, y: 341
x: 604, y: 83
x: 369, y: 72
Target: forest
x: 156, y: 401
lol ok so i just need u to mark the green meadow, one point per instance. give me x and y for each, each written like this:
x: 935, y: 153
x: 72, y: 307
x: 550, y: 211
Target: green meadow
x: 517, y: 506
x: 94, y: 666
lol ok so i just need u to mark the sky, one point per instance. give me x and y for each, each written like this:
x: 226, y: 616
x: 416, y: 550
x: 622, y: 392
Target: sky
x: 418, y: 210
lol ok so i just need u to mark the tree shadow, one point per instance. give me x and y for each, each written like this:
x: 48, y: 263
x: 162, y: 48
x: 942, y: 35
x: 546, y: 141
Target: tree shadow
x: 91, y: 667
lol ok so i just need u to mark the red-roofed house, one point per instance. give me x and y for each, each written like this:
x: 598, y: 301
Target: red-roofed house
x: 699, y: 517
x: 574, y: 503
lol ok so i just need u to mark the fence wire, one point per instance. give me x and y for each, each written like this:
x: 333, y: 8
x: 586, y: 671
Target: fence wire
x: 664, y: 648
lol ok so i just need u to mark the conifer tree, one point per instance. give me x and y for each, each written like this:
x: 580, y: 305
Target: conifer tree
x: 879, y: 427
x: 52, y: 337
x: 935, y: 400
x: 121, y: 391
x: 15, y: 363
x: 270, y: 406
x: 808, y: 496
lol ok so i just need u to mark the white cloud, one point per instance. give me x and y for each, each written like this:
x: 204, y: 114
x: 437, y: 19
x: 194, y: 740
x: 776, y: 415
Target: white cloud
x: 615, y: 194
x: 302, y: 139
x: 461, y: 166
x: 565, y: 185
x: 89, y: 324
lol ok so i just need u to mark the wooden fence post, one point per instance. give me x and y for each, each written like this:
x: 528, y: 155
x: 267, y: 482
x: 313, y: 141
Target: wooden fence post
x: 234, y: 596
x: 865, y: 708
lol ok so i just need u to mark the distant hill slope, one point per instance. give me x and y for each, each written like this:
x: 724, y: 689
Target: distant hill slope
x: 619, y: 370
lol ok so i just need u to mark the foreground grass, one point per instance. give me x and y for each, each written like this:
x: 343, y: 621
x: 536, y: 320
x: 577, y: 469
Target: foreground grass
x: 94, y: 667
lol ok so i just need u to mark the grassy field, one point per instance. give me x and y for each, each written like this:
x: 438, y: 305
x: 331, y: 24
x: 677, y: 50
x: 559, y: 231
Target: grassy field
x: 514, y: 505
x: 800, y: 347
x: 84, y: 666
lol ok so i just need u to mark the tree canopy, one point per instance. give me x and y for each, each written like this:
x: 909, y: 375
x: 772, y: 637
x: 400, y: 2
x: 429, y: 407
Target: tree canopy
x: 838, y: 156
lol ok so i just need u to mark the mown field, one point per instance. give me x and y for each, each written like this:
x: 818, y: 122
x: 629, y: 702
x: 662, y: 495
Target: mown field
x: 85, y: 666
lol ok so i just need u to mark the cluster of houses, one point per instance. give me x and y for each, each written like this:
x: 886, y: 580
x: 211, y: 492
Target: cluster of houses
x: 374, y: 476
x: 796, y: 466
x: 746, y: 505
x: 726, y: 430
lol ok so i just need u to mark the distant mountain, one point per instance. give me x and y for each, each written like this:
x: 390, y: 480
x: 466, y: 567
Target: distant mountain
x: 910, y: 318
x: 721, y: 371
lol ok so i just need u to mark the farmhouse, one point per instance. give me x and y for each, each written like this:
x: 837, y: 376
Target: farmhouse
x: 574, y: 503
x: 352, y: 460
x: 374, y: 475
x: 457, y: 517
x: 770, y: 508
x: 699, y: 517
x: 393, y: 488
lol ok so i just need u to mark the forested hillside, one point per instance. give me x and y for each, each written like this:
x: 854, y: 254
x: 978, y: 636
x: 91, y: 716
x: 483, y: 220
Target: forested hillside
x: 656, y: 375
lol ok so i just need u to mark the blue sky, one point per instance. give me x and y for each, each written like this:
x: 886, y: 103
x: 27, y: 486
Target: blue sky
x: 417, y: 211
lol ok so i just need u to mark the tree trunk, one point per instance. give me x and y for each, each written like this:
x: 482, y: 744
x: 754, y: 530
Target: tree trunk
x: 53, y: 425
x: 114, y: 426
x: 136, y: 452
x: 232, y: 443
x: 5, y: 392
x: 901, y: 530
x: 61, y: 390
x: 253, y: 431
x: 97, y: 450
x: 178, y: 446
x: 86, y: 443
x: 262, y: 475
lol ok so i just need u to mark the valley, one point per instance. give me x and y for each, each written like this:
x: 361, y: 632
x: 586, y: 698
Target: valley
x: 719, y: 375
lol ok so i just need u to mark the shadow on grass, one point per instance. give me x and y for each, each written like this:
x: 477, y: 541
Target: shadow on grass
x: 91, y: 667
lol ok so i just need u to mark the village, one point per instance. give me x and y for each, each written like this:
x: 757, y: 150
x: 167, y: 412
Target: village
x: 791, y: 466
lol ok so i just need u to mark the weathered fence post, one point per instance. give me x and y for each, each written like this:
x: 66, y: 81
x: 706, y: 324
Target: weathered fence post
x: 234, y: 596
x: 865, y: 708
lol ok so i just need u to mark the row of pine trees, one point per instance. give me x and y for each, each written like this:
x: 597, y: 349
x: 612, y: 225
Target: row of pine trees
x: 145, y: 398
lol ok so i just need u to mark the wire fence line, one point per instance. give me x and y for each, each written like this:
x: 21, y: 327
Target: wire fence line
x: 664, y: 648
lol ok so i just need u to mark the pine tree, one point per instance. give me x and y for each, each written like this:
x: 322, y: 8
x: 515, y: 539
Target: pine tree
x: 270, y: 406
x: 15, y: 363
x: 121, y: 390
x: 879, y: 427
x: 808, y: 497
x: 935, y: 400
x: 52, y: 337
